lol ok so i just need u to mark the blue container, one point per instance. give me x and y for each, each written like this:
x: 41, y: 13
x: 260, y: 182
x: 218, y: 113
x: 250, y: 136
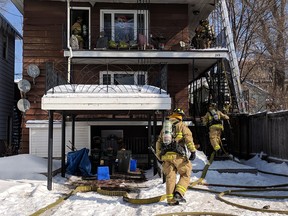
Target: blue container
x: 133, y: 165
x: 103, y: 173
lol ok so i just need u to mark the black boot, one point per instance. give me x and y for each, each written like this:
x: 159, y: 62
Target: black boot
x: 173, y: 202
x: 178, y: 197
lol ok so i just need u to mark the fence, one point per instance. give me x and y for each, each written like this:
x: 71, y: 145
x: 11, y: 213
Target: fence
x: 263, y: 132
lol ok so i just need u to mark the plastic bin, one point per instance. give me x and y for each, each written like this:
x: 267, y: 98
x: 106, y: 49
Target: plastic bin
x: 133, y: 165
x: 103, y: 173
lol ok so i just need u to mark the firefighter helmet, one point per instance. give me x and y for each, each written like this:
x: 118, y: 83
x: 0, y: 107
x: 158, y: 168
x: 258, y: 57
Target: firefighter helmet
x: 212, y: 104
x: 179, y: 111
x: 204, y: 21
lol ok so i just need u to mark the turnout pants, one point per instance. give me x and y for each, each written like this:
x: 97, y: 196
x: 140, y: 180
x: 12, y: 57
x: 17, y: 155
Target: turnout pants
x: 181, y: 165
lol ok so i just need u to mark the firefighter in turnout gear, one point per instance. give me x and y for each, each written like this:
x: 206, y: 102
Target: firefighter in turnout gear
x: 213, y: 120
x: 175, y: 147
x: 204, y: 35
x: 77, y: 31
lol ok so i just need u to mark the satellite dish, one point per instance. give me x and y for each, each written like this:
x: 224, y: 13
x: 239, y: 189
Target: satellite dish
x: 24, y: 85
x: 33, y: 71
x: 23, y: 105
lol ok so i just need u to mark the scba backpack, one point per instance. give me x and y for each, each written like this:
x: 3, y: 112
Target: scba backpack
x: 215, y: 118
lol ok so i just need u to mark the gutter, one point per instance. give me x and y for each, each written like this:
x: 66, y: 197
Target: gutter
x: 68, y: 42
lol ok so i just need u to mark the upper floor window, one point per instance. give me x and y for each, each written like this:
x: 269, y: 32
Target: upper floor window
x: 123, y: 78
x: 80, y: 27
x: 123, y: 25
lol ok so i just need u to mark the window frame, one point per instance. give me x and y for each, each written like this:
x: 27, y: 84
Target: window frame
x: 88, y: 9
x: 145, y: 13
x: 135, y: 73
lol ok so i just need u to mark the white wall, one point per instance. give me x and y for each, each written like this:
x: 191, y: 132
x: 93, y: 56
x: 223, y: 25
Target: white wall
x: 38, y: 137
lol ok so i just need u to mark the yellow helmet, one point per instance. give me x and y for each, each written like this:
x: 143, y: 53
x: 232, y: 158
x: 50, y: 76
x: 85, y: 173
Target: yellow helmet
x: 179, y: 111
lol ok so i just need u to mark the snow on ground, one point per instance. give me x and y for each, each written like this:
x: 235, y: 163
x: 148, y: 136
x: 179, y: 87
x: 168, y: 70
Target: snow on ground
x: 23, y: 190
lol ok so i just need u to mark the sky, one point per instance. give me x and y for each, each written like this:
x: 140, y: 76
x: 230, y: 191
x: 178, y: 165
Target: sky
x: 11, y: 13
x: 23, y: 190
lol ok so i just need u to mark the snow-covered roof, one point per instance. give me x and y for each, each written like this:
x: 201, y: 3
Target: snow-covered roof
x: 106, y: 97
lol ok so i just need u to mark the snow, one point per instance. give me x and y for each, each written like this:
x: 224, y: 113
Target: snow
x: 23, y: 190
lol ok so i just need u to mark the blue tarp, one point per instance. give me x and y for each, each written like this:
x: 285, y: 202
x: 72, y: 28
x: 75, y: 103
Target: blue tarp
x: 78, y: 163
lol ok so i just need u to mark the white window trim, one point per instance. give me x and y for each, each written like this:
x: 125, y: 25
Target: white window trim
x: 89, y: 25
x: 112, y: 73
x: 134, y: 12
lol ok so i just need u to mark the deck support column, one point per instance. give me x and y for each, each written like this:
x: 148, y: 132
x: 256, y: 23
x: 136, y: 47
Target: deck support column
x: 73, y: 133
x: 149, y: 140
x: 63, y: 140
x: 50, y: 150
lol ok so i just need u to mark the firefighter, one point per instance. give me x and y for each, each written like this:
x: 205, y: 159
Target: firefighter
x: 204, y: 35
x: 213, y: 120
x: 77, y: 31
x: 175, y: 147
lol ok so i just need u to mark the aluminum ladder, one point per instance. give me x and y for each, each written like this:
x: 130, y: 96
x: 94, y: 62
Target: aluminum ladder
x: 233, y: 62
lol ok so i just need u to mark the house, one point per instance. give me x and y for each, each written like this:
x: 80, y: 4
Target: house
x: 9, y: 120
x: 111, y: 85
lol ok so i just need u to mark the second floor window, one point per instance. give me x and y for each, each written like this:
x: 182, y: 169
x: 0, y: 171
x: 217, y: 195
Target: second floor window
x: 123, y: 25
x: 123, y: 78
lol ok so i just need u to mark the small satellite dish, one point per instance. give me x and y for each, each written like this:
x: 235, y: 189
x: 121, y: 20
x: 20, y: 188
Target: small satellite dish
x: 33, y: 71
x: 23, y: 105
x: 24, y: 85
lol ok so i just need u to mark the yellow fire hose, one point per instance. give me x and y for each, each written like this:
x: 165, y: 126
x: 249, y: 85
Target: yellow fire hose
x: 220, y: 196
x: 230, y: 192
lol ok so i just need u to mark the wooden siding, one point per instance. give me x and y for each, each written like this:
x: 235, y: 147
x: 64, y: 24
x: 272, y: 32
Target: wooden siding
x: 178, y: 86
x: 6, y: 84
x: 44, y: 24
x: 43, y: 40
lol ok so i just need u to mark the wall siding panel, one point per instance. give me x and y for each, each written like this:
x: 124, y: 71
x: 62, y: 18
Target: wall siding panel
x: 6, y: 84
x: 39, y: 138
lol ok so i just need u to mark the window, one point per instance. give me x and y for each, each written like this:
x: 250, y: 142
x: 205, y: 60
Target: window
x: 123, y: 25
x: 123, y: 78
x: 80, y: 26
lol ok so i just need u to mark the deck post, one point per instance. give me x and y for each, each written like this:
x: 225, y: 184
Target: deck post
x: 50, y: 150
x: 63, y: 140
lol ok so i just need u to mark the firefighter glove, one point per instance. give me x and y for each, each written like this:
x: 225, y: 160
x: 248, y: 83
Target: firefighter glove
x: 192, y: 156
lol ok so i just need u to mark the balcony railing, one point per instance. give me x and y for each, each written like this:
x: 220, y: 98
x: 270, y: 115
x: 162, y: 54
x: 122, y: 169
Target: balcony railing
x: 123, y: 79
x: 172, y: 39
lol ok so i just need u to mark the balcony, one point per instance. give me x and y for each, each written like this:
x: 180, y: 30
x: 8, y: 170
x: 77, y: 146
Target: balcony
x: 160, y: 47
x: 126, y: 37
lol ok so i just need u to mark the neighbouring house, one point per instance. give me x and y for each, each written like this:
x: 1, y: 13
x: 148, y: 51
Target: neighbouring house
x: 105, y: 73
x: 9, y: 119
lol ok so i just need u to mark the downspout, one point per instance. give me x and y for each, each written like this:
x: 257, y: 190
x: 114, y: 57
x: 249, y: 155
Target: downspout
x: 68, y: 42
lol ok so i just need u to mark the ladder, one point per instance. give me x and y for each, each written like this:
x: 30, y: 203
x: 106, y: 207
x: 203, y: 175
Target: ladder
x: 233, y: 62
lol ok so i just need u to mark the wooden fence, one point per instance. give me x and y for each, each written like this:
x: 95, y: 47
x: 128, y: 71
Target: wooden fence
x: 263, y: 132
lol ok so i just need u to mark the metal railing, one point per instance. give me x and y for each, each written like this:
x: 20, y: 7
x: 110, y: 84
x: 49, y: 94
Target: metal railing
x: 145, y: 78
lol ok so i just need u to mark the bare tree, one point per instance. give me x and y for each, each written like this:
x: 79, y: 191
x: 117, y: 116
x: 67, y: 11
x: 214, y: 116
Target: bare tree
x: 244, y: 23
x: 260, y: 37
